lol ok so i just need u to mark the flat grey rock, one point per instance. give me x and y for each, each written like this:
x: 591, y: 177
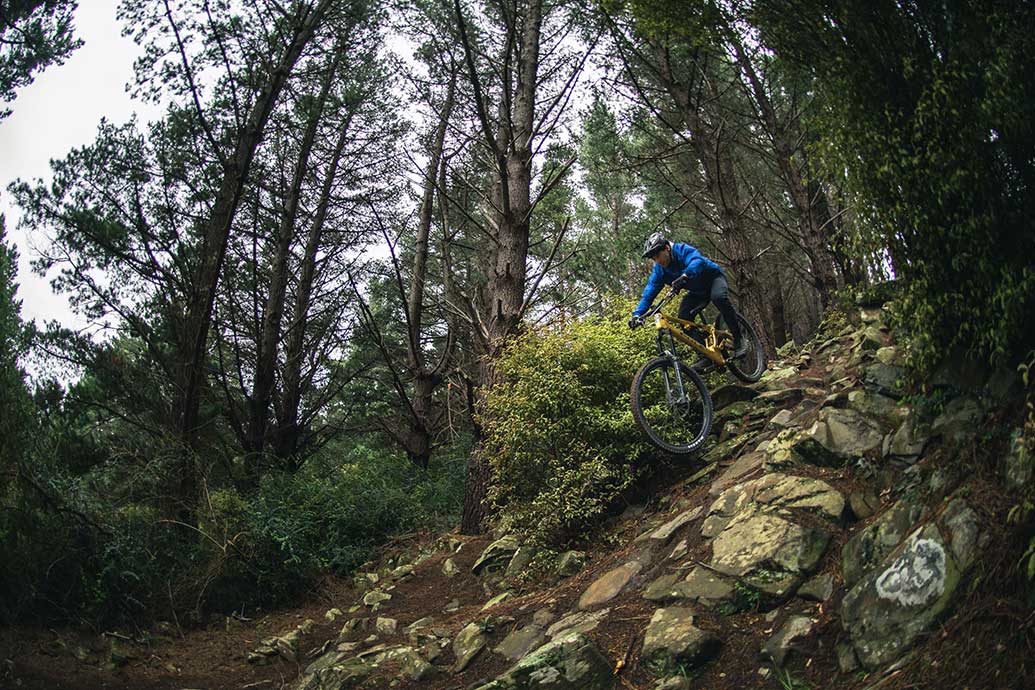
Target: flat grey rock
x: 609, y: 585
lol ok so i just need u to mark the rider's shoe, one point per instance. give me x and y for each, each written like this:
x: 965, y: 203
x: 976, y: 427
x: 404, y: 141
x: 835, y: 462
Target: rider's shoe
x: 739, y: 348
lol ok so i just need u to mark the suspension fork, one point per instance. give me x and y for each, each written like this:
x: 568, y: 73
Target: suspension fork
x: 670, y: 353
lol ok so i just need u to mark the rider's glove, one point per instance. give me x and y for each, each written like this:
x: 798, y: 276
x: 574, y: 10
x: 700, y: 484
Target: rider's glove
x: 635, y: 322
x: 681, y: 282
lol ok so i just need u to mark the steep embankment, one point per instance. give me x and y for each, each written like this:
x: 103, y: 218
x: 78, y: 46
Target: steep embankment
x: 832, y: 537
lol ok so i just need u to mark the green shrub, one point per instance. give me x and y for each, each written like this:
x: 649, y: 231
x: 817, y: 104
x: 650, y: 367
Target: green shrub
x: 327, y: 518
x: 127, y: 562
x: 559, y: 430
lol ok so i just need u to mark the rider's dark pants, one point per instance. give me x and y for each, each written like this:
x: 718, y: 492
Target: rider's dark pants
x: 720, y: 297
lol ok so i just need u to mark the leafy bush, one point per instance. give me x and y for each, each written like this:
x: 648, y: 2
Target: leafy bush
x: 559, y: 430
x: 326, y: 518
x: 92, y: 560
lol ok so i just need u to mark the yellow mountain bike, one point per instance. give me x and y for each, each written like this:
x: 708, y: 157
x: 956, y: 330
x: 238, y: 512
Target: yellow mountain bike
x: 670, y: 401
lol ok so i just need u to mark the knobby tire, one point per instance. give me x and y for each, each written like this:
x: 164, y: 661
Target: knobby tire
x: 681, y: 429
x: 751, y: 366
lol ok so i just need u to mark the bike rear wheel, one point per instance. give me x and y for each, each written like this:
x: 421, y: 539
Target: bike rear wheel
x: 751, y: 366
x: 679, y: 425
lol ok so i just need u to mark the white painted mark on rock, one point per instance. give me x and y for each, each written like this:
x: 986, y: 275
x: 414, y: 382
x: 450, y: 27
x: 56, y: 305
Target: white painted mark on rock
x: 917, y: 576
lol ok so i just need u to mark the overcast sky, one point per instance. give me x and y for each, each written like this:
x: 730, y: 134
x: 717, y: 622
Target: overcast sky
x: 60, y: 110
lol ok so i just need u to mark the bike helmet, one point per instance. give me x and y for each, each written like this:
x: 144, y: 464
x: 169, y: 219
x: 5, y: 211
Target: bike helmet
x: 656, y: 242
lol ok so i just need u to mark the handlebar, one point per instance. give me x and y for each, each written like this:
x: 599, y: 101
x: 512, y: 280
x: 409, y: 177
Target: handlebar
x: 672, y: 292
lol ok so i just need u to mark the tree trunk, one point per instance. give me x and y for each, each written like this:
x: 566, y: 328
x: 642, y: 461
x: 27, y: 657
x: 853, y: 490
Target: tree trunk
x: 505, y: 291
x: 215, y: 234
x: 269, y: 340
x: 418, y: 439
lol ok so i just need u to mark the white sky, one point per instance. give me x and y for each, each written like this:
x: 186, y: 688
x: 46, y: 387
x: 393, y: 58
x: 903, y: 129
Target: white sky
x: 59, y: 111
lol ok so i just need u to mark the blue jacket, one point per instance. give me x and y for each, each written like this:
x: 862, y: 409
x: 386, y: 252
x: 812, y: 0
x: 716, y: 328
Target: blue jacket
x: 685, y: 260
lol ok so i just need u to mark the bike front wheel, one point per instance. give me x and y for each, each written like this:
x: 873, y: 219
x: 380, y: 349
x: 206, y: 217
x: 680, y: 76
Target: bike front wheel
x: 678, y: 423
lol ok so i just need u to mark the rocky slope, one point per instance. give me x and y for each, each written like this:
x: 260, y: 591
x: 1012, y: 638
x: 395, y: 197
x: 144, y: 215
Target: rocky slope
x: 822, y: 538
x: 829, y: 537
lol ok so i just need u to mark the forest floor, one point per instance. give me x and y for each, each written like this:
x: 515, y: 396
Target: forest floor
x: 162, y: 657
x: 987, y: 642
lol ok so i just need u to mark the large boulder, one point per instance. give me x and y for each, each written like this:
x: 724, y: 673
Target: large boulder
x: 701, y: 585
x: 960, y: 523
x: 845, y: 433
x: 570, y: 562
x: 665, y: 588
x: 672, y: 641
x: 769, y: 547
x: 878, y: 406
x: 664, y: 533
x: 579, y: 621
x: 450, y: 568
x: 906, y: 442
x: 871, y: 545
x: 518, y: 643
x: 886, y: 379
x: 868, y: 339
x: 707, y: 587
x: 375, y: 598
x: 792, y: 446
x: 520, y: 561
x: 960, y: 419
x: 771, y: 493
x: 819, y: 588
x: 467, y: 645
x: 571, y: 662
x: 787, y: 638
x: 756, y: 539
x: 744, y: 466
x: 497, y: 555
x: 886, y: 611
x: 773, y: 379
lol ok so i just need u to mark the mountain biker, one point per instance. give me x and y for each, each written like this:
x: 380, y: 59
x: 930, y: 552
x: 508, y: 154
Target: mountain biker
x: 685, y: 268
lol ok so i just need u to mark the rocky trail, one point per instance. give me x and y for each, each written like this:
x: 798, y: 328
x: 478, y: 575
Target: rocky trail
x: 832, y: 536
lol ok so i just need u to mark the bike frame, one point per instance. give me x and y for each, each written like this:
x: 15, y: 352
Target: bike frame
x: 671, y: 326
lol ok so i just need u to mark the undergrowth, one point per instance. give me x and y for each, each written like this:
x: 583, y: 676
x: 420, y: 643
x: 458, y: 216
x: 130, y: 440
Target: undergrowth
x: 559, y: 428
